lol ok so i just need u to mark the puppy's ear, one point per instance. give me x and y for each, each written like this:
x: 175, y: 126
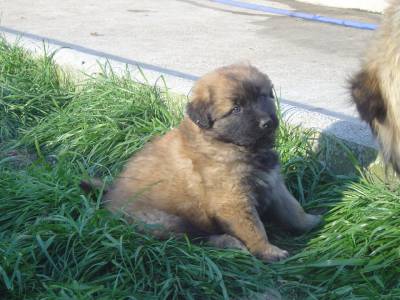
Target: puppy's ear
x: 199, y: 113
x: 367, y: 96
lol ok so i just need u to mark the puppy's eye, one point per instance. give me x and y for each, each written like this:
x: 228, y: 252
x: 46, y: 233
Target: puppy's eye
x: 236, y: 110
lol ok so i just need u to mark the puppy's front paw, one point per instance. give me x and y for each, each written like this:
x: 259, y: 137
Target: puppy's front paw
x: 312, y: 222
x: 273, y: 254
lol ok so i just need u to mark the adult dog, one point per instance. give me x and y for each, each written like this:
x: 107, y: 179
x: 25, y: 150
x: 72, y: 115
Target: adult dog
x: 375, y: 89
x: 216, y: 173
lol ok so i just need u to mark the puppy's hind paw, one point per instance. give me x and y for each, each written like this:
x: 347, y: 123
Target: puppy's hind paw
x: 226, y: 241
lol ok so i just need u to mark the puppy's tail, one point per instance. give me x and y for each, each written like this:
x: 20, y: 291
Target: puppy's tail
x: 92, y: 185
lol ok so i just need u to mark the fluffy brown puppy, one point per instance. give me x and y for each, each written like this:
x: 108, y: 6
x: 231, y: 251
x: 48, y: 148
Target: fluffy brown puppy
x: 217, y: 173
x: 375, y: 89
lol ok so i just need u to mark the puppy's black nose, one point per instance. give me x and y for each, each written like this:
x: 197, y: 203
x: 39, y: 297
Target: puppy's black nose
x: 266, y: 123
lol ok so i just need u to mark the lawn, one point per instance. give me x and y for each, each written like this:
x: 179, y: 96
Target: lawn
x: 57, y: 243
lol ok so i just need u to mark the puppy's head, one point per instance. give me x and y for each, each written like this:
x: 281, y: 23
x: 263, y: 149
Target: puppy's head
x: 235, y: 104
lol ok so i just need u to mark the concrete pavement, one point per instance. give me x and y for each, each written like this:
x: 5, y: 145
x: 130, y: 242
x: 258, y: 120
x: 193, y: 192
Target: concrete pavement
x: 182, y: 39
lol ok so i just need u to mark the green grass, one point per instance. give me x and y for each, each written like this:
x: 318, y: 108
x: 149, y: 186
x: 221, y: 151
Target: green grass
x: 29, y: 89
x: 107, y: 120
x: 57, y: 243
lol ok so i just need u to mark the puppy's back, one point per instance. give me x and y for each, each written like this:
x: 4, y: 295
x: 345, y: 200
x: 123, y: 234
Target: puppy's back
x: 155, y: 177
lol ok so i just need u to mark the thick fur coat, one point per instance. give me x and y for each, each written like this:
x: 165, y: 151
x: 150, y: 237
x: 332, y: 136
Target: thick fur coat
x: 375, y: 89
x: 217, y: 173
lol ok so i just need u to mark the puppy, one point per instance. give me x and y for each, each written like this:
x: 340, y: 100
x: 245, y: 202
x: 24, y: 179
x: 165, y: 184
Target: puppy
x: 375, y: 89
x: 217, y: 173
